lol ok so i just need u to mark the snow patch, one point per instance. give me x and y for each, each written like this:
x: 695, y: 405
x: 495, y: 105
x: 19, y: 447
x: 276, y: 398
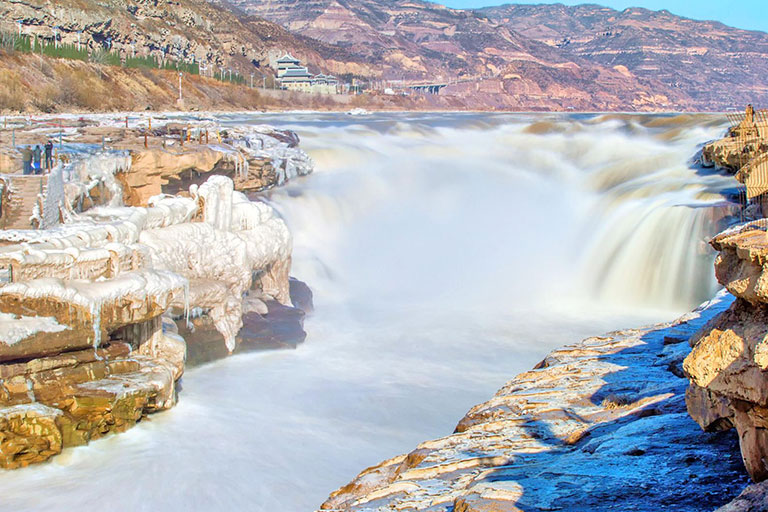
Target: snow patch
x: 14, y: 329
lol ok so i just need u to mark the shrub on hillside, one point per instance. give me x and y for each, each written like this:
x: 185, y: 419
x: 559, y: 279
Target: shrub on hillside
x: 47, y: 99
x: 12, y: 99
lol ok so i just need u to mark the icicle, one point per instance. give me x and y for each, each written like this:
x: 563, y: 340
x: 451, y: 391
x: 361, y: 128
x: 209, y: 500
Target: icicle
x: 186, y: 304
x: 30, y: 391
x: 96, y: 317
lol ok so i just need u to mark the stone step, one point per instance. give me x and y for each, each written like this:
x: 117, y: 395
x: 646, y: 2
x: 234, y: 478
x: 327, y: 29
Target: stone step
x: 23, y: 197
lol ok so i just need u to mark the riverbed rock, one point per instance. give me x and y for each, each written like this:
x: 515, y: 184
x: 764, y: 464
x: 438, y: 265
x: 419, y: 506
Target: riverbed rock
x: 743, y: 142
x: 50, y: 403
x: 597, y: 425
x: 731, y: 153
x: 753, y: 499
x: 28, y: 434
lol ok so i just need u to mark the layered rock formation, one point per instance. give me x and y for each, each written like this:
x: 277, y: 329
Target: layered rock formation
x: 89, y: 339
x: 91, y: 308
x: 256, y: 158
x: 598, y: 425
x: 179, y: 30
x: 512, y: 57
x: 728, y: 366
x: 707, y: 60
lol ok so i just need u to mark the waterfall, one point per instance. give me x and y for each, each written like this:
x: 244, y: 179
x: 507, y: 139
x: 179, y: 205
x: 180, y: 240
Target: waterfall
x: 446, y: 253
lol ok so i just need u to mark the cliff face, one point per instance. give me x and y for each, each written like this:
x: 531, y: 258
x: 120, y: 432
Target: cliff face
x: 728, y: 366
x: 598, y: 425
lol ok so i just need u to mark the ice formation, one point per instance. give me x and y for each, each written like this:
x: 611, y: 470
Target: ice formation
x: 92, y: 302
x: 219, y: 255
x: 156, y: 253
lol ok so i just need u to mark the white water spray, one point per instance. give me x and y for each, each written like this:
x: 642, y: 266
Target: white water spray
x: 446, y: 253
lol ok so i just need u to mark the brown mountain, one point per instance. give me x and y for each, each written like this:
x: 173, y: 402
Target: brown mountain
x: 710, y: 62
x: 512, y: 57
x: 547, y: 56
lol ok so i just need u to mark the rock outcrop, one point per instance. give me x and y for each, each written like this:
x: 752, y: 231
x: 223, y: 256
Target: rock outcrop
x: 255, y: 158
x: 728, y: 365
x: 753, y: 499
x: 742, y: 144
x: 89, y: 337
x: 95, y: 309
x: 598, y: 425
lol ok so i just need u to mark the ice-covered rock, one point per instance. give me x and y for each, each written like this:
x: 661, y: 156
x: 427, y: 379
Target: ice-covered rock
x: 84, y: 331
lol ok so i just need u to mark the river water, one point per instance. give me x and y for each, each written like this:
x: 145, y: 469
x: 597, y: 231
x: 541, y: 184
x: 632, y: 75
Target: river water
x: 447, y: 253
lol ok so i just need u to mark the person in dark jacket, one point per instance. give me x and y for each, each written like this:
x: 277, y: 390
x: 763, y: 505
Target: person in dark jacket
x: 37, y: 155
x: 49, y: 155
x: 26, y: 158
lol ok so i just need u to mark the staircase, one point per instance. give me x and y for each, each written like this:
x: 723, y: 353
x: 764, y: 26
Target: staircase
x: 23, y: 192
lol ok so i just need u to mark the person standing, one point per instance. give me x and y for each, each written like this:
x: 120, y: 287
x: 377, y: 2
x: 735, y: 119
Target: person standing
x: 26, y: 158
x: 49, y: 155
x: 37, y: 154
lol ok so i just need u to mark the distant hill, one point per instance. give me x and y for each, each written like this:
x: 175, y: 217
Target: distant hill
x: 710, y: 62
x: 517, y: 57
x: 559, y: 57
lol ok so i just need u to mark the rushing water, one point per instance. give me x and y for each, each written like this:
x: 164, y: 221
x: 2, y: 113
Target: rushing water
x: 447, y: 253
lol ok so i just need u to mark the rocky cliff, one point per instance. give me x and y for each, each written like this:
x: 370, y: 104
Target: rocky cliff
x: 728, y: 365
x: 172, y: 29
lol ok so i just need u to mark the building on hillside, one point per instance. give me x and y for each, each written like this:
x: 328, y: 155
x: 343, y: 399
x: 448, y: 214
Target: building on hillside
x: 287, y: 62
x: 292, y: 76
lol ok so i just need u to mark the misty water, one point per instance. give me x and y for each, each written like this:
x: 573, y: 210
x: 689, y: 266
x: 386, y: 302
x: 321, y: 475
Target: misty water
x: 447, y: 253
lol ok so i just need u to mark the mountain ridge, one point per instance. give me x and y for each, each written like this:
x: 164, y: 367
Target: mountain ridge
x: 510, y: 57
x: 655, y: 60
